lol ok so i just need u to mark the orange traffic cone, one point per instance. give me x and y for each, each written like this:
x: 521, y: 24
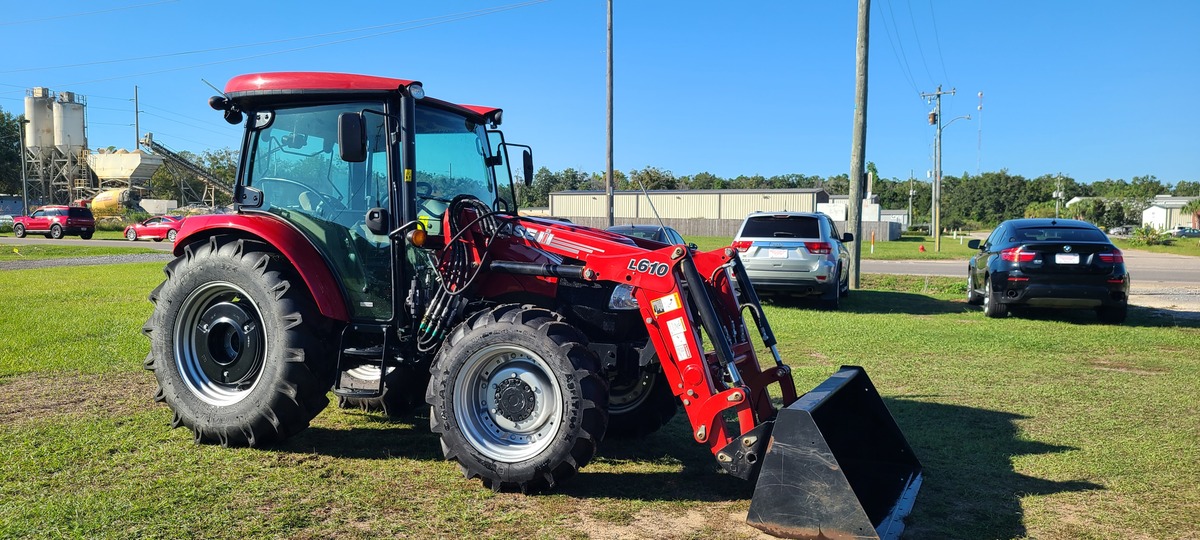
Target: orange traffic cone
x: 921, y: 249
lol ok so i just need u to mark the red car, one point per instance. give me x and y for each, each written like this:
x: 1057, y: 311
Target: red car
x: 155, y: 228
x: 56, y: 221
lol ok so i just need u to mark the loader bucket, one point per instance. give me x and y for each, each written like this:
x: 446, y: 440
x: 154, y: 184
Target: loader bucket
x: 836, y: 466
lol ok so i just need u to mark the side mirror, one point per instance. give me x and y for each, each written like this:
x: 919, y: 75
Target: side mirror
x: 527, y: 166
x: 973, y: 244
x: 847, y: 237
x: 352, y: 138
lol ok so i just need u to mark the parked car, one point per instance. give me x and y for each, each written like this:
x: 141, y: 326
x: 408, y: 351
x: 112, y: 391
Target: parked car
x: 795, y: 253
x: 1055, y: 263
x: 6, y: 223
x: 56, y: 221
x: 658, y: 233
x: 1185, y: 232
x: 155, y: 228
x: 1123, y: 230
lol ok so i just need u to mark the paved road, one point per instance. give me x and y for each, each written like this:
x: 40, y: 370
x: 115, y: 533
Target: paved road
x: 75, y: 241
x: 1144, y: 267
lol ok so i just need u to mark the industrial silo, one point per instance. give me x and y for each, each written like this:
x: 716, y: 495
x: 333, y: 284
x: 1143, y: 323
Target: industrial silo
x: 69, y: 134
x: 39, y: 132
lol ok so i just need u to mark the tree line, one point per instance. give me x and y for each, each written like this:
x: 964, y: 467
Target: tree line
x: 968, y: 202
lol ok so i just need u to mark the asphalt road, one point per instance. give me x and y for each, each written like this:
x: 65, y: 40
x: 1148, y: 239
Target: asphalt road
x: 1144, y: 267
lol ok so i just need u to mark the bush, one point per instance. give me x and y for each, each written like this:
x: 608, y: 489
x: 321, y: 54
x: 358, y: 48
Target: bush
x: 1148, y: 236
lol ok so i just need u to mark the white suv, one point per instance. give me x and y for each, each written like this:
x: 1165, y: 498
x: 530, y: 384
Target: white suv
x: 795, y: 253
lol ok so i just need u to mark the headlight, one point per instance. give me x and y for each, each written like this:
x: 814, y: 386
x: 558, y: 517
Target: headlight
x: 622, y: 298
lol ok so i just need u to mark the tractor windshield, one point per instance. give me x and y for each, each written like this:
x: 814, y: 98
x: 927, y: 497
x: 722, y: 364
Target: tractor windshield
x: 450, y: 162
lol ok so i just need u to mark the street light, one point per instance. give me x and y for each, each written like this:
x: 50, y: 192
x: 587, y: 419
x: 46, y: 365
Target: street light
x: 937, y: 180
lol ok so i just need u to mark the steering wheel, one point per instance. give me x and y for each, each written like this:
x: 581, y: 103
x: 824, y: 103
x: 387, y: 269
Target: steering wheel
x: 324, y: 208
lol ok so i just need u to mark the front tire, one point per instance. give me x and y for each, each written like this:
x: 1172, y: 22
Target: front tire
x: 639, y: 407
x: 131, y: 235
x: 517, y: 399
x: 56, y: 231
x: 237, y: 344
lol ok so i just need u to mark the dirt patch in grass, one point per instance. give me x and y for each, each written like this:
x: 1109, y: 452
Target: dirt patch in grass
x: 1125, y: 367
x: 599, y: 524
x: 32, y: 397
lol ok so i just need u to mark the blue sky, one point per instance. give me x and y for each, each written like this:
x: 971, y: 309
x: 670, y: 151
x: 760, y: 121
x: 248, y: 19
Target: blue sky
x: 1092, y: 90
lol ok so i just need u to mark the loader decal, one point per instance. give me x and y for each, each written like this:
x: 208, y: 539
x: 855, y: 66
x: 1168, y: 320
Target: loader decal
x: 678, y: 331
x: 666, y: 304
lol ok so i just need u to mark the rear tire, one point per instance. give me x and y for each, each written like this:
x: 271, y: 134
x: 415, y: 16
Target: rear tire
x: 19, y: 230
x: 991, y: 301
x: 1113, y: 314
x: 171, y: 234
x: 237, y: 345
x: 517, y: 399
x: 973, y: 298
x: 832, y: 300
x: 403, y: 390
x: 85, y: 236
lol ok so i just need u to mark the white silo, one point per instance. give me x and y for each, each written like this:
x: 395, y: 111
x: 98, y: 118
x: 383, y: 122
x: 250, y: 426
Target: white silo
x: 69, y: 134
x: 39, y: 132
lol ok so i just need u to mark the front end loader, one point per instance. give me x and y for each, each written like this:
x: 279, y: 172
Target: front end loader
x: 376, y: 251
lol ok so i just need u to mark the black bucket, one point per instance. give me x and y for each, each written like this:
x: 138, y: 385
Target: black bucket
x: 836, y: 466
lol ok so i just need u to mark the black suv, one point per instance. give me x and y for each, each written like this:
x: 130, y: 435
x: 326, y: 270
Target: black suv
x: 1057, y: 263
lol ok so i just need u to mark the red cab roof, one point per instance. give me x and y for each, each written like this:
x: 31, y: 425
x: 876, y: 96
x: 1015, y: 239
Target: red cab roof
x: 306, y: 81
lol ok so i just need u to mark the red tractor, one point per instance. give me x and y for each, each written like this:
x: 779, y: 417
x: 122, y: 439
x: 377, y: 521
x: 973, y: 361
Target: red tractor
x: 376, y: 250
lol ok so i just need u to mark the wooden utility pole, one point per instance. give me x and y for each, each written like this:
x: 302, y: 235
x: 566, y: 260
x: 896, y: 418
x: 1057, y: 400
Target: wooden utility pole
x: 935, y: 119
x: 608, y: 170
x: 858, y: 148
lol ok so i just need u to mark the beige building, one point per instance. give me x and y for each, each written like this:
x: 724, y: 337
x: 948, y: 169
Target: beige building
x: 707, y: 212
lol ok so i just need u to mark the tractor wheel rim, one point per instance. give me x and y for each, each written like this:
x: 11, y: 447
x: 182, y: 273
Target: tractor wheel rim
x: 507, y: 403
x: 219, y: 343
x: 628, y: 395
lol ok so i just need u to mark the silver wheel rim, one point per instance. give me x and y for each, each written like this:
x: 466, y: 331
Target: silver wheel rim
x: 987, y: 292
x: 171, y: 236
x: 485, y: 390
x: 970, y: 287
x: 130, y: 235
x: 210, y: 344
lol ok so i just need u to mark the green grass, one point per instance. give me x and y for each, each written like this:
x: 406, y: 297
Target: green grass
x: 1047, y: 425
x: 18, y: 252
x: 1179, y: 246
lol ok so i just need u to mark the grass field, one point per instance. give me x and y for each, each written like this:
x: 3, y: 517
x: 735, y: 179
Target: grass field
x: 1040, y: 426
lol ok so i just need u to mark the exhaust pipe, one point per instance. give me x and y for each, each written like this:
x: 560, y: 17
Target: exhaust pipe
x: 836, y: 466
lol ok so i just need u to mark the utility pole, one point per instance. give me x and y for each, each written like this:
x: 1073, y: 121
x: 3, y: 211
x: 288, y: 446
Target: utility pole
x: 935, y: 119
x: 859, y: 144
x: 608, y: 170
x: 911, y: 192
x: 137, y: 142
x: 24, y: 172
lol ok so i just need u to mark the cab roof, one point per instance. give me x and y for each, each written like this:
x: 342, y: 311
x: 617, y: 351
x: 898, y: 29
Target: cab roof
x: 282, y: 83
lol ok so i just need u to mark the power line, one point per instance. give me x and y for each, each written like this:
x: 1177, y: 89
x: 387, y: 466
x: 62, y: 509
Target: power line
x: 920, y: 49
x: 901, y: 60
x: 938, y: 42
x: 84, y: 13
x: 435, y: 20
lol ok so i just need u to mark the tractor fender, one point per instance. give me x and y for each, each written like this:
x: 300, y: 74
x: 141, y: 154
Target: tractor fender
x: 290, y: 242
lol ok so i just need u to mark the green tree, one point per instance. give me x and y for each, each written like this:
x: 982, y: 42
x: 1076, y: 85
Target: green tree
x: 704, y: 180
x: 650, y: 178
x: 1192, y: 208
x: 1184, y: 188
x: 10, y: 152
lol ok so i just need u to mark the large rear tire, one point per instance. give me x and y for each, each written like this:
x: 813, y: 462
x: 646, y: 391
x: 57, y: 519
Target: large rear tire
x: 517, y: 399
x: 991, y: 301
x: 1115, y: 314
x: 237, y: 345
x: 403, y: 390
